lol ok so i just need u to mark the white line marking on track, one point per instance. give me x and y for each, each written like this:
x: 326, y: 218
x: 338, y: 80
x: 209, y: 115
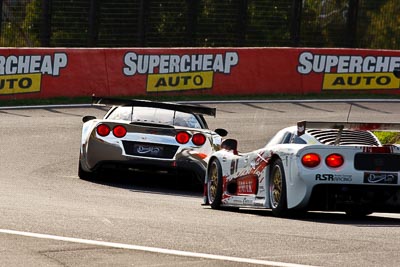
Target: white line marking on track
x: 151, y: 249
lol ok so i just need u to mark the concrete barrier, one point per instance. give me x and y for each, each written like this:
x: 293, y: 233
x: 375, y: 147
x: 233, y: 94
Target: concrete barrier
x: 72, y: 72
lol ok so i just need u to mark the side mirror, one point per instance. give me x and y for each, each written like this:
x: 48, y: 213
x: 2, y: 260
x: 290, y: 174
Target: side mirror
x: 396, y: 72
x: 221, y: 132
x: 88, y: 118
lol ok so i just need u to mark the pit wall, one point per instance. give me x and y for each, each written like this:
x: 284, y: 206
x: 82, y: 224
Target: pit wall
x: 73, y: 72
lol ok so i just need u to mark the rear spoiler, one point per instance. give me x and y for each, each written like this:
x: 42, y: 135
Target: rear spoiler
x: 362, y: 126
x: 153, y: 104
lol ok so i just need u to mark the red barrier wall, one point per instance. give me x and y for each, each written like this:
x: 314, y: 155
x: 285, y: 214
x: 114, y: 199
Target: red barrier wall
x: 45, y: 73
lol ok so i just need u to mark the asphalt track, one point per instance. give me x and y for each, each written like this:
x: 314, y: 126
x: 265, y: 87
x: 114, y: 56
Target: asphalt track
x: 49, y: 217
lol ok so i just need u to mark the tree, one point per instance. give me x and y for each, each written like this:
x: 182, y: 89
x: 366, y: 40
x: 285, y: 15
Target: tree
x: 383, y: 31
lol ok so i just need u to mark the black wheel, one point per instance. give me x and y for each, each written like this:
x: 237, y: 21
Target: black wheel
x: 214, y: 184
x: 84, y: 175
x: 277, y: 189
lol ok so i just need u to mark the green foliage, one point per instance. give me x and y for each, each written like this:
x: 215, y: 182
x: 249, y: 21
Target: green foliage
x: 19, y: 25
x: 325, y: 23
x: 218, y: 23
x: 32, y: 22
x: 167, y: 26
x: 384, y: 27
x: 268, y: 23
x: 69, y: 23
x: 202, y: 23
x: 388, y: 137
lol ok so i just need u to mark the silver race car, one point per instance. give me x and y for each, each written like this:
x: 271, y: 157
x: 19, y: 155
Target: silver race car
x: 146, y: 135
x: 323, y: 166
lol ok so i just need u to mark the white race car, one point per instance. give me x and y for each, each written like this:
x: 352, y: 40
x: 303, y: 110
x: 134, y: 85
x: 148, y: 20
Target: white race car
x: 148, y: 136
x: 323, y: 166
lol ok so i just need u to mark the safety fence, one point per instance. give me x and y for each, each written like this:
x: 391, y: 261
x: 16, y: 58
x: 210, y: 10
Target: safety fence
x: 200, y: 23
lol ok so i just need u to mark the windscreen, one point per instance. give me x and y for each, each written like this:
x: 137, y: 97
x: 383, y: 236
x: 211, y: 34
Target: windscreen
x: 155, y: 115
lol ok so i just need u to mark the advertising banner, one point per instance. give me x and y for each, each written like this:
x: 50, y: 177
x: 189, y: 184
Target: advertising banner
x: 73, y: 72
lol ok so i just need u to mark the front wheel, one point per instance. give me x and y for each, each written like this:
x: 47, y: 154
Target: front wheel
x: 277, y: 189
x: 214, y: 184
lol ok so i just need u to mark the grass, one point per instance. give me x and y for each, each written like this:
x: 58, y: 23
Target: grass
x: 388, y: 137
x: 203, y: 97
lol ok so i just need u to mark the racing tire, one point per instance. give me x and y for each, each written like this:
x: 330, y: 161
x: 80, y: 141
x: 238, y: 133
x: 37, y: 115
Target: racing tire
x: 277, y: 190
x: 84, y: 175
x: 214, y: 184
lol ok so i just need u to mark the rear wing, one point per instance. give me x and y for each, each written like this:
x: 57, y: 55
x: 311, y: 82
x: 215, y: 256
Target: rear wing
x: 153, y: 104
x: 362, y: 126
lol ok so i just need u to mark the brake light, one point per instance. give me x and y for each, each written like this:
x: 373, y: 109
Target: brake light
x: 119, y: 131
x: 198, y: 139
x: 103, y: 130
x: 182, y: 137
x: 311, y: 160
x: 334, y: 160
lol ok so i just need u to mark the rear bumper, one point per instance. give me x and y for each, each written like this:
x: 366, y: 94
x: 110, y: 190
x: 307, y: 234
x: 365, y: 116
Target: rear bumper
x: 340, y: 197
x: 98, y: 155
x: 154, y: 166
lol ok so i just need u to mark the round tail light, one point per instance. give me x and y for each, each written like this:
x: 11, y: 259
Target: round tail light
x: 311, y: 160
x: 119, y: 131
x: 103, y: 130
x: 182, y: 137
x: 334, y: 160
x: 198, y: 139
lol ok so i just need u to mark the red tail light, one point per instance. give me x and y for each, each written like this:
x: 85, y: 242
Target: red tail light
x: 182, y: 137
x: 103, y: 130
x: 198, y: 139
x: 119, y: 131
x: 311, y: 160
x: 334, y: 160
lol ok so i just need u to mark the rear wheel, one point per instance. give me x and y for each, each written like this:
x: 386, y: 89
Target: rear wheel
x: 214, y: 184
x: 277, y: 189
x: 84, y: 175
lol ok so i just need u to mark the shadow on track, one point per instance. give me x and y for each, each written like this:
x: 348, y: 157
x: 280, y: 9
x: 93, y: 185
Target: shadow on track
x: 156, y: 183
x: 373, y: 220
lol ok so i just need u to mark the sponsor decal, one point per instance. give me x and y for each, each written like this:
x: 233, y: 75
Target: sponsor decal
x: 328, y: 177
x: 179, y: 81
x: 23, y: 73
x: 234, y: 166
x: 380, y: 178
x: 148, y: 150
x: 179, y: 72
x: 258, y: 163
x: 343, y: 72
x: 247, y: 184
